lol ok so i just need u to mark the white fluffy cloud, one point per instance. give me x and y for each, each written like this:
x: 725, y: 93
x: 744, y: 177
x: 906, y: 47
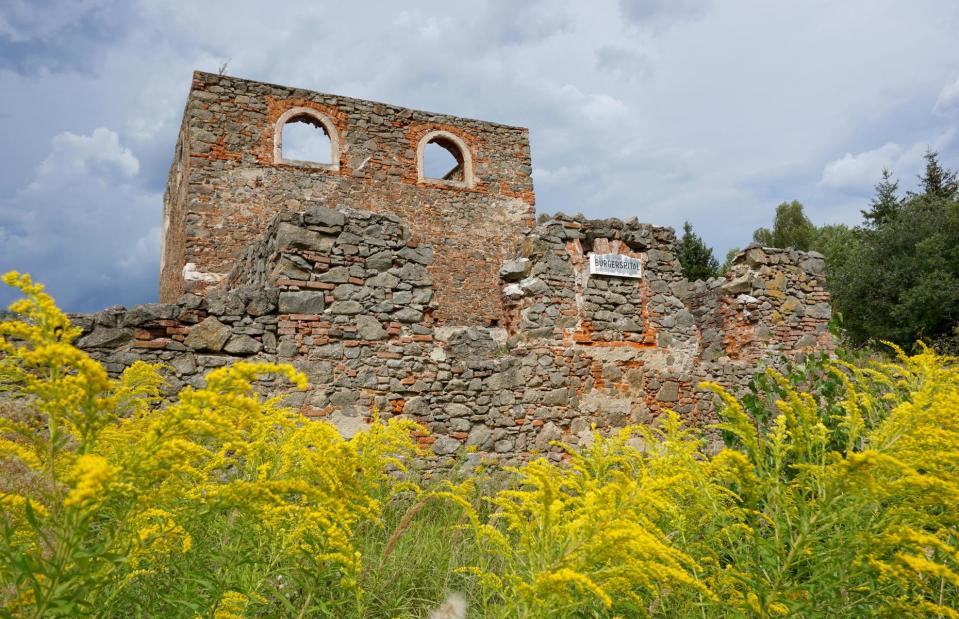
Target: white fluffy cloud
x: 82, y: 219
x: 854, y: 172
x: 76, y: 158
x: 708, y: 111
x: 858, y: 173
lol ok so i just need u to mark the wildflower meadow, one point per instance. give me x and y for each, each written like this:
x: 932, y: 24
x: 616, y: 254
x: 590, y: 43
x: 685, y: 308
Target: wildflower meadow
x: 836, y: 495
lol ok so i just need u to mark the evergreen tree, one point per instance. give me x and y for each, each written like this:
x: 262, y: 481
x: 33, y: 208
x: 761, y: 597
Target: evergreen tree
x: 936, y: 181
x: 791, y: 228
x: 697, y: 259
x: 899, y: 279
x: 886, y: 204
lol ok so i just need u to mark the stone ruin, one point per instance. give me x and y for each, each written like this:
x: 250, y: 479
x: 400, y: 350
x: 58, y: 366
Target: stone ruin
x: 230, y: 177
x: 437, y: 299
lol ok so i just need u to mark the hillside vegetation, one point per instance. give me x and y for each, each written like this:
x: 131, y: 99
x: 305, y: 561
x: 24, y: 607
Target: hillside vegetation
x: 836, y: 495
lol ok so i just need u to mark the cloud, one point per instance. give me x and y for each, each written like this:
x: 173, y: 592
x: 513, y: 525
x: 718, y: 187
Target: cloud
x: 624, y: 62
x: 24, y: 21
x: 596, y: 107
x: 83, y: 226
x: 546, y: 177
x: 860, y: 172
x: 526, y: 22
x: 661, y: 12
x: 948, y: 101
x: 856, y: 172
x: 664, y: 109
x: 47, y: 35
x: 76, y: 157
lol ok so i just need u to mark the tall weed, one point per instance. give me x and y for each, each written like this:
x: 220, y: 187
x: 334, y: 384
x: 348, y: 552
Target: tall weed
x: 837, y: 494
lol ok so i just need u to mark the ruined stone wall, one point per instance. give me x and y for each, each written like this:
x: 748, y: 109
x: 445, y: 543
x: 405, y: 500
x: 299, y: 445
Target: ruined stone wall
x: 348, y: 297
x: 632, y: 347
x: 173, y: 234
x: 233, y: 184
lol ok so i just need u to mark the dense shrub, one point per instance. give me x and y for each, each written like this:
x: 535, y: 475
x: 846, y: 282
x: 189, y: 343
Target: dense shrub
x: 837, y: 494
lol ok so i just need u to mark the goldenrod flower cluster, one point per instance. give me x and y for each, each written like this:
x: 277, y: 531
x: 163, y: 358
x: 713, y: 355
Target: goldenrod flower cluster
x: 836, y: 495
x: 847, y: 500
x: 843, y: 502
x: 219, y: 482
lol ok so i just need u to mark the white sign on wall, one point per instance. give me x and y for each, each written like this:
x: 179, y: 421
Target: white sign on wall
x: 616, y: 265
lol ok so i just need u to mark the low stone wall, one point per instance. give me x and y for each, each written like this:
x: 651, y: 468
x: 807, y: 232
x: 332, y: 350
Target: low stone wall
x: 347, y: 297
x: 191, y: 336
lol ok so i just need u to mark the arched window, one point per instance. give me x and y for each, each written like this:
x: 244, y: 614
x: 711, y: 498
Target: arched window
x: 444, y: 159
x: 303, y: 136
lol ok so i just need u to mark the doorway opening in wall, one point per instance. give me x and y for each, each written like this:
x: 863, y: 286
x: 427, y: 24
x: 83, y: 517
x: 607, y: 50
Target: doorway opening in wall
x: 306, y: 139
x: 442, y: 160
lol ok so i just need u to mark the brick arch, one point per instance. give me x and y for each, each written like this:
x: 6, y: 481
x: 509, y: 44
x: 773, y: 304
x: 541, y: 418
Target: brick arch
x: 419, y: 135
x: 280, y: 111
x: 457, y: 147
x: 312, y: 115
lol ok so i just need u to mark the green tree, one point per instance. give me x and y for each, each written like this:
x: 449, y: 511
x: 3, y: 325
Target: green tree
x: 837, y: 243
x: 899, y: 278
x: 886, y: 204
x: 697, y: 259
x: 791, y: 228
x: 936, y: 181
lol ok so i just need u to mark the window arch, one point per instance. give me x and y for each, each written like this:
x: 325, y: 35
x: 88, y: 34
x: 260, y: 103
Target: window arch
x: 323, y: 129
x: 460, y: 175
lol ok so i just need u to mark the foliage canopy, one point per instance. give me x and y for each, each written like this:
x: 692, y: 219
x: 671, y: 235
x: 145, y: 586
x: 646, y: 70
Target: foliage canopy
x: 898, y: 278
x: 791, y: 228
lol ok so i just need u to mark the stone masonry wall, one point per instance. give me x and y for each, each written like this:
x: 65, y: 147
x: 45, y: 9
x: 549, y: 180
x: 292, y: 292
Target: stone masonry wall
x: 226, y: 185
x: 348, y: 297
x: 631, y: 347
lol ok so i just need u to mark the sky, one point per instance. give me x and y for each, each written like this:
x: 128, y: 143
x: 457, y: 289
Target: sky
x: 668, y: 110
